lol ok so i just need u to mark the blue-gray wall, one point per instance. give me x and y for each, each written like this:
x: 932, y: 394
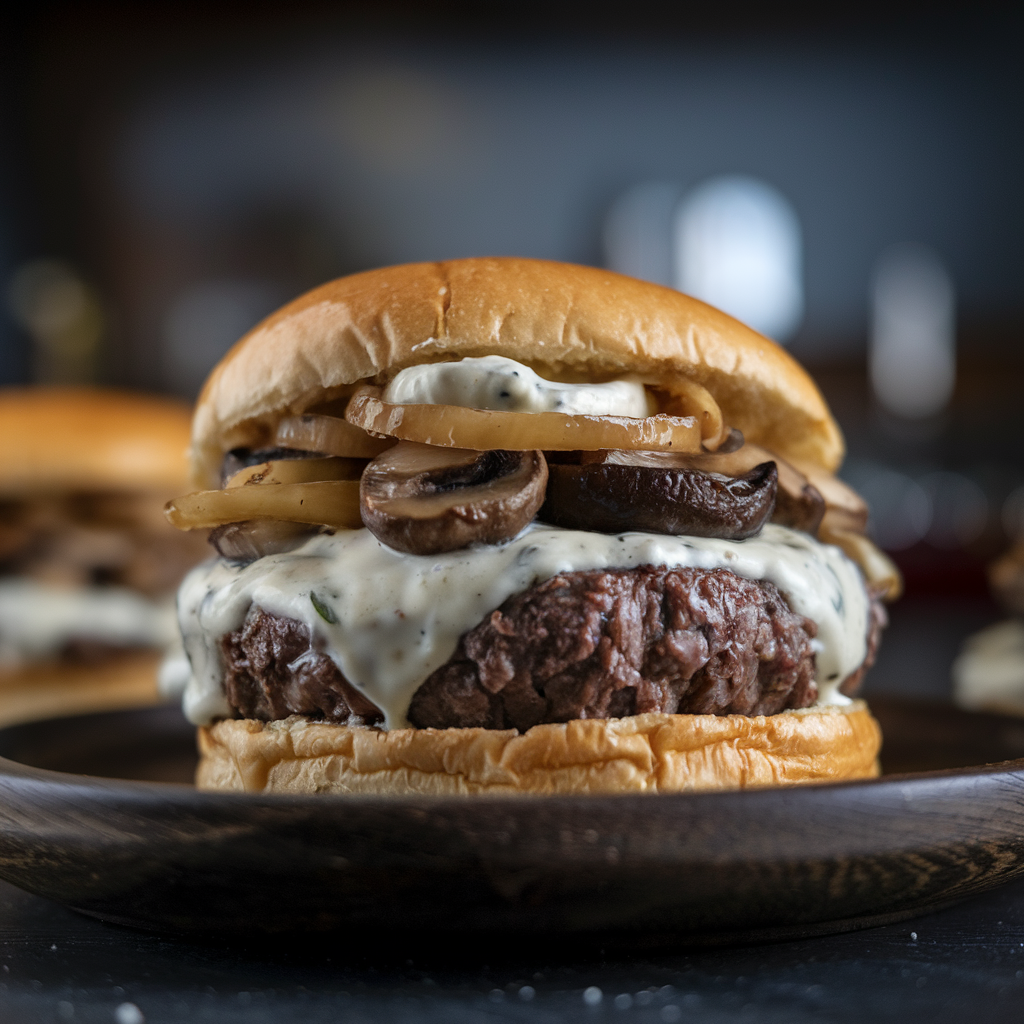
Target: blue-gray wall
x: 407, y: 152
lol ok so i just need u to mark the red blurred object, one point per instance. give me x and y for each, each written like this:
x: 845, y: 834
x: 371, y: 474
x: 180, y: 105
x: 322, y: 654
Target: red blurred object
x: 931, y: 572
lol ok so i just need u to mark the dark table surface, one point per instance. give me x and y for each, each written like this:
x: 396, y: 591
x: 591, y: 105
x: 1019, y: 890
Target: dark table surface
x: 963, y: 963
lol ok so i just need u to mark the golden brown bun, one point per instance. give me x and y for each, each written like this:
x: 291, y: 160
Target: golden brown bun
x: 652, y: 753
x: 56, y: 689
x: 563, y: 320
x: 69, y: 439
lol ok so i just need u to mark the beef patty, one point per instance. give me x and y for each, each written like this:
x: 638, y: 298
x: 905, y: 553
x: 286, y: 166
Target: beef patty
x: 599, y: 644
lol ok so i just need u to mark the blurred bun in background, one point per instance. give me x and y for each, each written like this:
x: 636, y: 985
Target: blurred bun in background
x: 88, y: 566
x: 989, y: 673
x: 81, y: 439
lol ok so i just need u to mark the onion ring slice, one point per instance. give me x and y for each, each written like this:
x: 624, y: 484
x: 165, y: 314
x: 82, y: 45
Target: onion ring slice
x: 297, y: 471
x: 319, y: 503
x: 452, y: 426
x: 688, y: 398
x: 331, y: 435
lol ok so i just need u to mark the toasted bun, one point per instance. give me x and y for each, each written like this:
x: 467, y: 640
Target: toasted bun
x: 61, y: 439
x: 652, y: 753
x: 56, y: 689
x: 563, y: 320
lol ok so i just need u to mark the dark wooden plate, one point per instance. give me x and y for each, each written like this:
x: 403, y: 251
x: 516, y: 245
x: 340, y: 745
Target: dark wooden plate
x: 709, y: 867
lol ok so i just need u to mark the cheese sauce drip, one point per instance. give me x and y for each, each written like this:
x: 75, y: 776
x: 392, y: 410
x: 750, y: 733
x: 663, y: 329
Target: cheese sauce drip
x: 388, y: 620
x: 502, y: 384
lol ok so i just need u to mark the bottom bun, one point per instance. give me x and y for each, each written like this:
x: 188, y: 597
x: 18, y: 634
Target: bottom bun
x: 651, y: 753
x: 55, y: 689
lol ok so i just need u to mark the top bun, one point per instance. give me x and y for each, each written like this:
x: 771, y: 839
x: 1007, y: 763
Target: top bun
x: 565, y: 321
x: 79, y: 439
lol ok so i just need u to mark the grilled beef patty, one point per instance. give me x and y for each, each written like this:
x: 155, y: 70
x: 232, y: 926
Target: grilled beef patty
x: 598, y: 644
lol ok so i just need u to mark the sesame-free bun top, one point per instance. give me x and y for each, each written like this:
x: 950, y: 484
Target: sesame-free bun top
x: 567, y: 322
x: 55, y: 440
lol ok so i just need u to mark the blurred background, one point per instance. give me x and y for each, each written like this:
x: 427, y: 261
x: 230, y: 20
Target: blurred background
x: 848, y: 182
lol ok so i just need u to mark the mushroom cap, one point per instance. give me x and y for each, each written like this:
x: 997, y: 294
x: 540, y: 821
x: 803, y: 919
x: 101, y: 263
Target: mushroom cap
x: 565, y: 321
x: 58, y: 440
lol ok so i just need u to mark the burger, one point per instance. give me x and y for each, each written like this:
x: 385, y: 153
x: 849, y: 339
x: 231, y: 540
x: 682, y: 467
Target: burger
x: 513, y: 526
x: 88, y: 566
x: 988, y: 673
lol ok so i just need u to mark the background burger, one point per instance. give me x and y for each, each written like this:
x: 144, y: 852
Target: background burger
x: 88, y: 567
x: 988, y: 674
x: 503, y: 525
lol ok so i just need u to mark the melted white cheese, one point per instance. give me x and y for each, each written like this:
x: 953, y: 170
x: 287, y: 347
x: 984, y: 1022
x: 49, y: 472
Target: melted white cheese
x: 499, y: 383
x: 388, y: 620
x: 37, y: 621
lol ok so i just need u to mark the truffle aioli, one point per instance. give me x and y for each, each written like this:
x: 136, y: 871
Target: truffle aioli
x: 504, y: 385
x: 388, y: 619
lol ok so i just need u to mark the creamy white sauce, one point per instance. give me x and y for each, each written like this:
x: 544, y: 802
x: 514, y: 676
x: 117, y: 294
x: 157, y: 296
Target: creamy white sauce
x: 37, y: 621
x: 175, y: 671
x: 499, y: 383
x: 399, y: 617
x: 989, y: 672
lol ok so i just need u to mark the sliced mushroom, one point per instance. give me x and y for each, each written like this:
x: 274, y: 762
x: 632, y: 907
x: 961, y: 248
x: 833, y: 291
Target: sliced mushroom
x: 255, y: 538
x: 613, y: 496
x: 424, y: 500
x: 798, y: 503
x: 846, y: 508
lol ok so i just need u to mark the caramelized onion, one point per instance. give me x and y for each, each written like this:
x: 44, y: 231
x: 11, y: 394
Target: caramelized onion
x: 453, y: 426
x: 688, y: 398
x: 320, y: 503
x: 329, y: 434
x: 424, y: 500
x: 297, y: 471
x: 880, y: 572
